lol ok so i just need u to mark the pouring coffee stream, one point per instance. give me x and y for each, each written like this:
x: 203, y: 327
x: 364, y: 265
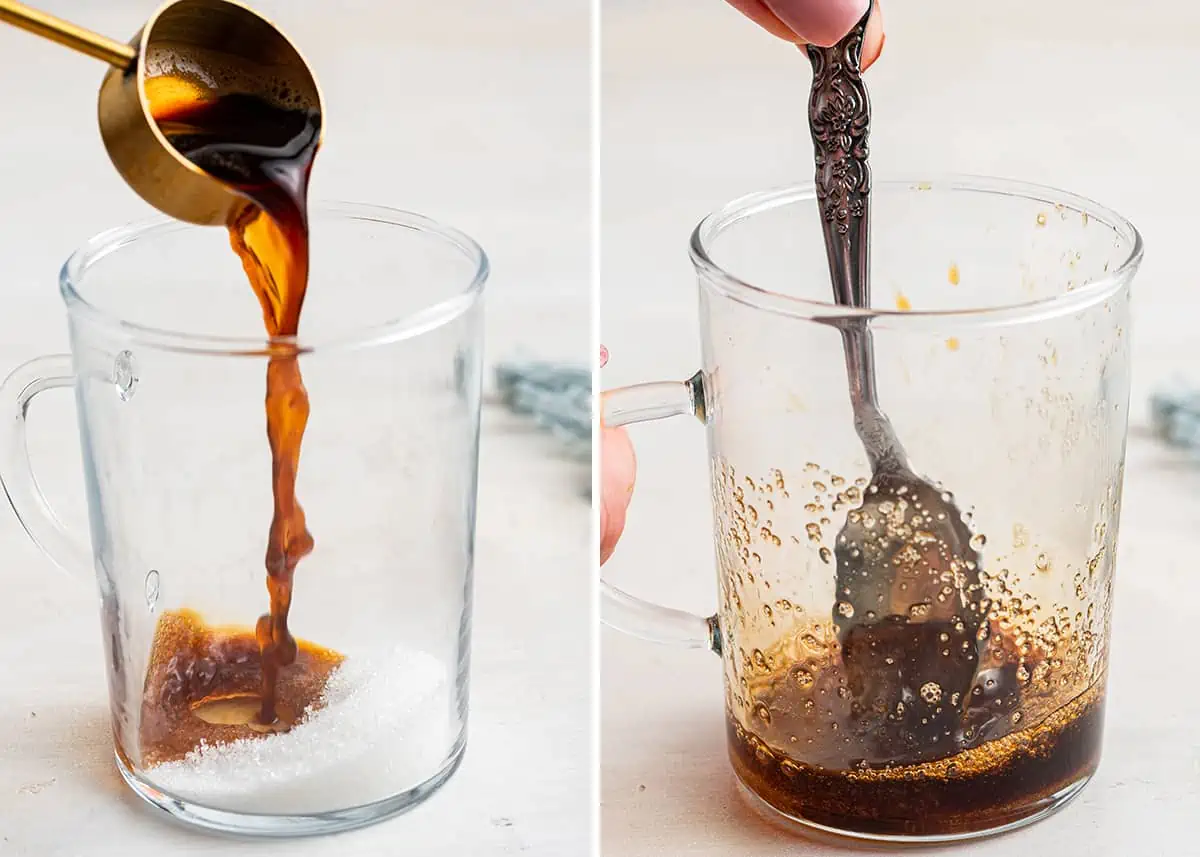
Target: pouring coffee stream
x: 214, y: 118
x: 910, y: 622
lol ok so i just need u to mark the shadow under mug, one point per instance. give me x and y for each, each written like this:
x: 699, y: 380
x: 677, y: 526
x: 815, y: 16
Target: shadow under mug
x: 168, y: 364
x: 1001, y: 333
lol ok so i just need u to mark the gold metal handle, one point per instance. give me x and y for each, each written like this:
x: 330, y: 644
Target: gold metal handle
x: 67, y: 34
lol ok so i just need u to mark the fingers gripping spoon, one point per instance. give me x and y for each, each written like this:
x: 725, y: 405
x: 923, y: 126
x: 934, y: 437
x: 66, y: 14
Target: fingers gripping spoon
x: 909, y: 616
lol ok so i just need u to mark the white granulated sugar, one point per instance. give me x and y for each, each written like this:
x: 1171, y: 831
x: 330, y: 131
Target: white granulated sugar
x: 385, y: 727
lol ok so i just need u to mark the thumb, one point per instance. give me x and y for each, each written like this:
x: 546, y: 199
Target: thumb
x: 819, y: 22
x: 618, y: 472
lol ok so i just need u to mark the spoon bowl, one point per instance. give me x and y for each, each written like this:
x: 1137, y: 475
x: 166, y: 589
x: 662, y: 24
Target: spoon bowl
x: 909, y: 613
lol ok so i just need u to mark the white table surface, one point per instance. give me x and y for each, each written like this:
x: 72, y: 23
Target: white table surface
x: 472, y: 116
x: 1037, y: 90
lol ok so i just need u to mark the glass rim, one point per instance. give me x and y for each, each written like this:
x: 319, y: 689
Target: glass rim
x: 390, y: 331
x: 1040, y: 309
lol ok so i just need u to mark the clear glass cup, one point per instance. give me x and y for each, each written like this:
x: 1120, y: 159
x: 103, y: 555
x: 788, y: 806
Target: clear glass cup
x: 168, y: 364
x: 1001, y: 330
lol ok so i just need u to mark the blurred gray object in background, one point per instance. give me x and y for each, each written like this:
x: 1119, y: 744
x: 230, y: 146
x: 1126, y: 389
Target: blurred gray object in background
x: 557, y: 396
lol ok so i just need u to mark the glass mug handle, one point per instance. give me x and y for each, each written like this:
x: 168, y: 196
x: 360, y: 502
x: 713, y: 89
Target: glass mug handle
x: 16, y: 470
x: 641, y: 403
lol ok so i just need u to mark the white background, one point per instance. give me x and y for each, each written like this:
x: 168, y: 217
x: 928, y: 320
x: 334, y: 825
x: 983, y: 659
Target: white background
x: 474, y: 115
x: 700, y: 107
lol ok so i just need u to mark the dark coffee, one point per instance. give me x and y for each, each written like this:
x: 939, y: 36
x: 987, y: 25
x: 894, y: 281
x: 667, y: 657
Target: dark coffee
x: 983, y: 788
x: 937, y: 763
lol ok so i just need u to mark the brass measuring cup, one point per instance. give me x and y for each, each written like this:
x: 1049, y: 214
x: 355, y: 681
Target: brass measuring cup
x: 195, y: 49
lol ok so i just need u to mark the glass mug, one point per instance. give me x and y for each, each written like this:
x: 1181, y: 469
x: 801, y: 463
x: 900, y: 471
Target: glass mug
x: 168, y: 367
x: 1000, y: 326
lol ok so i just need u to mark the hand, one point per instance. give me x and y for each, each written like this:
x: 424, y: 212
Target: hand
x: 618, y: 469
x: 818, y: 22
